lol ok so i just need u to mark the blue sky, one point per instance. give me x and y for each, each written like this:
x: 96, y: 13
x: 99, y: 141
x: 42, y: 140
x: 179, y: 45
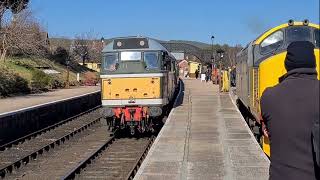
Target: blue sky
x: 232, y: 22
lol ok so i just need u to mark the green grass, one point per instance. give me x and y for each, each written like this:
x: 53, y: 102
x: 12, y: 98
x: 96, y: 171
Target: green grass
x: 25, y: 67
x: 22, y: 71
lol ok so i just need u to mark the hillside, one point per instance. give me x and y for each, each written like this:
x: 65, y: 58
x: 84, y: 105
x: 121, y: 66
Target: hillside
x: 21, y: 75
x: 198, y: 44
x: 66, y: 42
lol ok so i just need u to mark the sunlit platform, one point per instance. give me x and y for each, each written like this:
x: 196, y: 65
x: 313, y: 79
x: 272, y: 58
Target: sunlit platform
x: 205, y: 137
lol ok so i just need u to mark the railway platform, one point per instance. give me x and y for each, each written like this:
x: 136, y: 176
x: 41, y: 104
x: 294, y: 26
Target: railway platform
x: 18, y: 103
x: 205, y: 137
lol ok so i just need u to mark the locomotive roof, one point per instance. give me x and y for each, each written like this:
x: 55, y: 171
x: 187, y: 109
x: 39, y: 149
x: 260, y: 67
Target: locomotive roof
x: 132, y: 43
x: 272, y: 30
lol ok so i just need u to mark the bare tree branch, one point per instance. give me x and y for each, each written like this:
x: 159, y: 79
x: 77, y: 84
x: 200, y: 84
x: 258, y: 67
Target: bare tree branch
x: 23, y: 36
x: 86, y: 48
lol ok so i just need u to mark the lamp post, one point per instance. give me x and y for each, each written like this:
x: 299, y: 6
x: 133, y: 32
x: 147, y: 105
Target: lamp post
x: 102, y: 47
x: 102, y: 40
x: 212, y: 55
x: 213, y: 60
x: 67, y: 63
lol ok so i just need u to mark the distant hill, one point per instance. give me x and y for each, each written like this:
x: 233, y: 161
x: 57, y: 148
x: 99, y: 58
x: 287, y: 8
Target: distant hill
x: 202, y: 50
x: 65, y: 42
x: 194, y: 43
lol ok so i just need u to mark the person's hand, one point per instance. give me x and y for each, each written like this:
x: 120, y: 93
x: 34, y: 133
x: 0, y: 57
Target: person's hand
x: 264, y: 129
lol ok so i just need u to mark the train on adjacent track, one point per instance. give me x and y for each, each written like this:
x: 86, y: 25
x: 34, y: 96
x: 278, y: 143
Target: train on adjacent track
x: 138, y: 82
x: 260, y: 65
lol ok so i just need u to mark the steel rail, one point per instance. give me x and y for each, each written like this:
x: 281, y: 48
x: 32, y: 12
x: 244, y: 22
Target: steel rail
x: 34, y: 134
x: 72, y: 174
x: 138, y: 163
x: 25, y: 160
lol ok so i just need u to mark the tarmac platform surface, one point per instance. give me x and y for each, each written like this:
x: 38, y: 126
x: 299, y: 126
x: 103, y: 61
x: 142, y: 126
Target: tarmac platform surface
x: 20, y: 102
x: 205, y: 137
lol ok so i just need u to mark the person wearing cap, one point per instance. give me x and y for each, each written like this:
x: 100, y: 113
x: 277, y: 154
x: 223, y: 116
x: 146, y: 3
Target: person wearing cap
x: 288, y: 111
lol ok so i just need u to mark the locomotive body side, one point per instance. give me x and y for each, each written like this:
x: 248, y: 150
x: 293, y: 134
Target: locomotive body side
x: 269, y: 52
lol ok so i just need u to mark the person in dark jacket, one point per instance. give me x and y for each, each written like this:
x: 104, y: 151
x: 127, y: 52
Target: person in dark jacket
x: 289, y: 110
x: 197, y: 73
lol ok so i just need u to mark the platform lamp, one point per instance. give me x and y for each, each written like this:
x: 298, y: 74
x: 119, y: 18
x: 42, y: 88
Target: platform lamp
x: 213, y: 60
x: 212, y: 53
x: 102, y: 40
x: 68, y: 69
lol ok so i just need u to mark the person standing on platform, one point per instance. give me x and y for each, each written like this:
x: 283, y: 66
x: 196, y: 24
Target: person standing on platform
x: 233, y: 76
x: 289, y: 112
x: 225, y: 81
x: 197, y: 73
x: 207, y: 75
x: 210, y: 74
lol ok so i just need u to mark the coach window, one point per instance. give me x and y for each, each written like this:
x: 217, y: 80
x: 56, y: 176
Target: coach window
x: 272, y: 42
x: 110, y: 61
x: 151, y: 60
x: 317, y: 38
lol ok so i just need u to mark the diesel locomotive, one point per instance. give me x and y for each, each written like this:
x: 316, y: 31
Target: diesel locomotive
x: 261, y: 63
x: 138, y: 81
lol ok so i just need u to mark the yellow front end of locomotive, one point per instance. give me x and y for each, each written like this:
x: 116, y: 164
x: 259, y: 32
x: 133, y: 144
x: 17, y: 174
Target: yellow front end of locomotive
x: 270, y: 70
x: 126, y: 88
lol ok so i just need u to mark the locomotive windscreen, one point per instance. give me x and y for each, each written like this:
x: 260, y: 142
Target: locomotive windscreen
x: 131, y: 43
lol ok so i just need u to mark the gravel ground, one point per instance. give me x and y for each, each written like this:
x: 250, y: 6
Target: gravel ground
x: 117, y: 161
x: 21, y: 150
x: 61, y: 160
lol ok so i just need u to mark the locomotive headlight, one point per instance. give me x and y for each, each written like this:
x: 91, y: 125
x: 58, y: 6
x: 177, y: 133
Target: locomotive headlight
x: 119, y: 43
x: 290, y: 22
x: 306, y: 22
x: 142, y: 43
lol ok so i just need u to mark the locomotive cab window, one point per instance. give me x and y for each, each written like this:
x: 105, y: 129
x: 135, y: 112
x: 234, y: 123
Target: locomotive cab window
x: 109, y: 62
x: 151, y: 60
x: 317, y: 38
x: 130, y: 56
x: 298, y: 33
x: 272, y: 42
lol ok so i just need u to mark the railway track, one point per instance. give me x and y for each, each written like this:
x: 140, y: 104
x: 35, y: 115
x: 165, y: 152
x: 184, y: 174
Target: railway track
x: 65, y: 150
x: 94, y: 154
x: 21, y: 152
x: 116, y: 159
x: 57, y: 163
x: 34, y: 134
x: 80, y: 147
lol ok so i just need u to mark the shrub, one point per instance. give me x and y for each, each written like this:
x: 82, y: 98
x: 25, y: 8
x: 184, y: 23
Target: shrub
x: 60, y: 55
x: 57, y: 83
x: 90, y: 79
x: 40, y: 81
x: 21, y: 85
x: 74, y: 83
x: 11, y: 83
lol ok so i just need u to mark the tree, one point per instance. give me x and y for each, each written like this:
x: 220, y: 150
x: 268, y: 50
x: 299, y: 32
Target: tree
x: 231, y: 53
x: 80, y: 48
x: 60, y: 55
x: 23, y: 36
x: 15, y: 6
x: 87, y: 48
